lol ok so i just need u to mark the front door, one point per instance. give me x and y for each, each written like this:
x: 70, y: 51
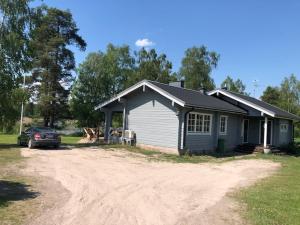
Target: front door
x: 269, y: 132
x: 245, y: 130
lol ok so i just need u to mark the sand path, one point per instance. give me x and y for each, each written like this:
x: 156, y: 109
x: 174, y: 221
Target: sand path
x: 95, y: 187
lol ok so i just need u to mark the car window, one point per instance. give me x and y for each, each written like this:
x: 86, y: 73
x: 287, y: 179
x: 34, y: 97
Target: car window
x: 44, y: 129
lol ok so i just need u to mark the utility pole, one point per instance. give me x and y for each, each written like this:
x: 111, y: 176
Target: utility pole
x: 22, y: 107
x: 255, y: 84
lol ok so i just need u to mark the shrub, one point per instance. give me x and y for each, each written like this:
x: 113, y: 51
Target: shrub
x: 291, y: 148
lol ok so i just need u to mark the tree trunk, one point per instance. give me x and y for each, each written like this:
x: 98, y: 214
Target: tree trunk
x: 51, y: 121
x: 46, y: 121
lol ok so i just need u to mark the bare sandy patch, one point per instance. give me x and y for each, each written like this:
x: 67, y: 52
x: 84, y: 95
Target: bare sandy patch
x: 112, y: 187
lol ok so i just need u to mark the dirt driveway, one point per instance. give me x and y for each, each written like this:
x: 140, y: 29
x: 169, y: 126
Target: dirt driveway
x: 91, y: 186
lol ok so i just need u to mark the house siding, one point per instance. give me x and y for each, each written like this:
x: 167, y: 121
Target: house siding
x: 199, y: 143
x: 284, y: 137
x: 233, y: 136
x: 153, y: 118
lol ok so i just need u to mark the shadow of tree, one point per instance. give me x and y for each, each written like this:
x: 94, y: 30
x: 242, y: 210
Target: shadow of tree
x: 14, y: 191
x: 8, y: 146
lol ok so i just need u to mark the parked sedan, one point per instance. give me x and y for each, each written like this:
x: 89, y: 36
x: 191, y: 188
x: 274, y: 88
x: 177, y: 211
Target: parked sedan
x: 39, y: 136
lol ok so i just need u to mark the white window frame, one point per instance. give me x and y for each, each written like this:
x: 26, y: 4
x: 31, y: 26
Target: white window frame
x: 202, y: 125
x: 285, y: 129
x: 225, y: 125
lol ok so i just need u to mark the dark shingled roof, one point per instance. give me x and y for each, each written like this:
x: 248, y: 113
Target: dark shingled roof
x: 196, y: 99
x: 277, y: 111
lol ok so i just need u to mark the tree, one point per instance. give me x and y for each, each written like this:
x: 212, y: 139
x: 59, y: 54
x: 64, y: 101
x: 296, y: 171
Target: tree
x: 290, y: 94
x: 53, y: 62
x: 287, y: 97
x: 100, y: 76
x: 196, y: 67
x: 15, y: 18
x: 272, y: 96
x: 151, y: 66
x: 234, y: 86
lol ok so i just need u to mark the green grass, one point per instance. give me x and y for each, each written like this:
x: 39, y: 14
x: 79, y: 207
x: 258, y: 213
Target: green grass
x: 8, y: 139
x: 68, y: 140
x: 275, y: 200
x: 17, y: 197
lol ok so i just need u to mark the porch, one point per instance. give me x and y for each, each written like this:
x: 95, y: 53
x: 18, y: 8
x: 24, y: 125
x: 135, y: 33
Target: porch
x: 261, y: 134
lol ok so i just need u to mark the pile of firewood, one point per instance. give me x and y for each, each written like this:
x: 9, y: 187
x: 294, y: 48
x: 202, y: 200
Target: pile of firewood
x: 92, y: 133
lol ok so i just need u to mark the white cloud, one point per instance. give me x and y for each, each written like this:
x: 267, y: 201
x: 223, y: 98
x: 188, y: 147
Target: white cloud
x: 144, y: 43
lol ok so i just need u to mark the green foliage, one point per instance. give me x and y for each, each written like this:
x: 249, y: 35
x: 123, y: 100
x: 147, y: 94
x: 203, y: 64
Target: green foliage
x: 290, y: 94
x: 287, y: 97
x: 100, y: 76
x: 271, y: 95
x: 151, y: 66
x: 234, y: 86
x: 196, y: 67
x: 15, y: 17
x: 53, y: 61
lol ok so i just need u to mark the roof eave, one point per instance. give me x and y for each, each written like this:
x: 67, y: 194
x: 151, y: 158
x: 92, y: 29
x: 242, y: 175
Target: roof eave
x: 138, y: 85
x: 252, y: 105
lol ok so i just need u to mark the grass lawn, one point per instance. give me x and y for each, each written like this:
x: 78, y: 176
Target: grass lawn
x: 275, y: 200
x: 68, y: 140
x: 11, y: 140
x: 8, y: 139
x: 17, y: 197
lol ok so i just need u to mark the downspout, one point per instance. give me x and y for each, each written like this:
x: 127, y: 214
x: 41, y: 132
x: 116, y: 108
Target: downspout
x: 185, y: 126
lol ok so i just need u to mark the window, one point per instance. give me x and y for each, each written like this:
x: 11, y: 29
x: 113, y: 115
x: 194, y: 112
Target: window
x: 199, y: 123
x: 284, y: 127
x: 223, y: 124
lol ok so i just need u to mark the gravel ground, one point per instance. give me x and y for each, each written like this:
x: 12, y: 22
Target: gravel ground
x: 89, y: 186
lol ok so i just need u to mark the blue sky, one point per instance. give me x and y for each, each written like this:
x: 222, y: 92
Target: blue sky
x: 257, y: 40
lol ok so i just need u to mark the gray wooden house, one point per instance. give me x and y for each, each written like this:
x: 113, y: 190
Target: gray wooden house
x: 174, y: 119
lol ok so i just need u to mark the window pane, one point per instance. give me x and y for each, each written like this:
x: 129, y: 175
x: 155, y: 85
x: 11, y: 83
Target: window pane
x: 198, y: 121
x: 223, y: 124
x: 206, y: 127
x: 191, y: 123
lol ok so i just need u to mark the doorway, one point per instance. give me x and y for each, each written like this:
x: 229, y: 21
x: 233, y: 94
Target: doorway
x: 269, y: 132
x: 245, y: 130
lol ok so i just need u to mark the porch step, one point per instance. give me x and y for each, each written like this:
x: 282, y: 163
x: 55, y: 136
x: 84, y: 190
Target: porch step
x: 253, y: 148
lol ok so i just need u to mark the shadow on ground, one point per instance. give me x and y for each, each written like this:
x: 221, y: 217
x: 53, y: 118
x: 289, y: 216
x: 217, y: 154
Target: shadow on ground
x: 15, y: 191
x: 8, y: 146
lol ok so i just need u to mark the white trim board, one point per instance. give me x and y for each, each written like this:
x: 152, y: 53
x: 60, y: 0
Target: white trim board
x: 138, y: 85
x: 259, y: 134
x: 259, y: 108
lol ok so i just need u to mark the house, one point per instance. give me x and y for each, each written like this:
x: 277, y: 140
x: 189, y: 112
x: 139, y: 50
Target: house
x: 173, y: 119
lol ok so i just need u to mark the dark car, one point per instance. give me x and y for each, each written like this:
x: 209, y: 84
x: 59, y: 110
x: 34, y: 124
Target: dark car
x: 39, y: 136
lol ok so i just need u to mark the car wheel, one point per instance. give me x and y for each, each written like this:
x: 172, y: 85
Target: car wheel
x: 30, y: 144
x: 57, y: 146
